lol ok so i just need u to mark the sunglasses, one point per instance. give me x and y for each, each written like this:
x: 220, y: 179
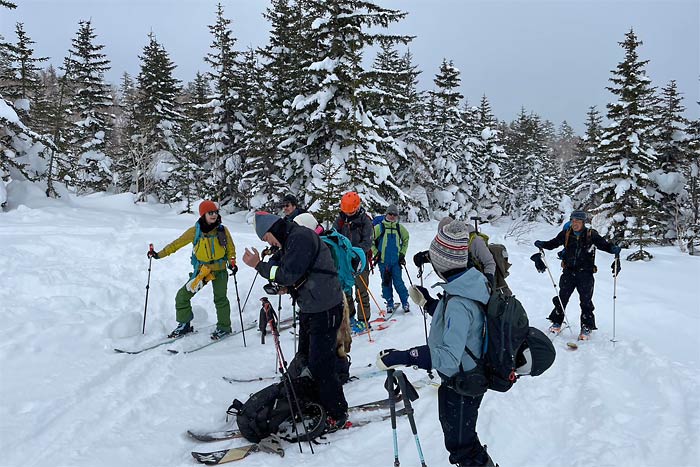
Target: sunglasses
x: 287, y: 205
x: 391, y: 214
x: 213, y: 213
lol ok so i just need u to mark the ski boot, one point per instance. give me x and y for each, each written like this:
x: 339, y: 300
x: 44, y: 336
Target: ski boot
x: 181, y: 330
x: 585, y: 333
x: 555, y: 328
x: 219, y: 334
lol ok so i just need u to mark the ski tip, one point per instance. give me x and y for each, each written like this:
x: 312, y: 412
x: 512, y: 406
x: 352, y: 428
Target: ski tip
x: 572, y: 345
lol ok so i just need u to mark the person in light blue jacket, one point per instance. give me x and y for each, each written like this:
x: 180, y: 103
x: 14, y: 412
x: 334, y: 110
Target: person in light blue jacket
x: 457, y: 323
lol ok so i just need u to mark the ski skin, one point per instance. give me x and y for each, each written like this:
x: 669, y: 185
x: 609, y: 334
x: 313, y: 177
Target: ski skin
x: 378, y: 324
x: 233, y: 434
x: 212, y: 342
x: 241, y: 452
x: 165, y: 341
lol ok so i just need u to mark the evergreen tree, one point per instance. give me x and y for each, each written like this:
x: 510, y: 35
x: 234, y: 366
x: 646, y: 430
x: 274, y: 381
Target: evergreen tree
x: 157, y: 114
x: 579, y: 171
x: 338, y: 124
x: 673, y: 154
x: 91, y: 106
x: 625, y: 192
x: 490, y: 160
x: 20, y: 75
x: 191, y: 172
x: 450, y: 165
x: 692, y: 206
x: 227, y: 127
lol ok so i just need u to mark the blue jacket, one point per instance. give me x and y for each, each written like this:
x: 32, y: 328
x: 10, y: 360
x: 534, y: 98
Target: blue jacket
x: 460, y: 325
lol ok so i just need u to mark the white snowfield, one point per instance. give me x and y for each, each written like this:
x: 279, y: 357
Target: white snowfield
x: 74, y: 272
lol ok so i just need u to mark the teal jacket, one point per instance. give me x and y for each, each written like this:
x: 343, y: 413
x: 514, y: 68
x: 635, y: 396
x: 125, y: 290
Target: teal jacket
x: 460, y: 325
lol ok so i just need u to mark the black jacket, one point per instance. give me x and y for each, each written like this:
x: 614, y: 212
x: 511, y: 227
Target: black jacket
x: 305, y: 263
x: 579, y: 253
x: 358, y: 228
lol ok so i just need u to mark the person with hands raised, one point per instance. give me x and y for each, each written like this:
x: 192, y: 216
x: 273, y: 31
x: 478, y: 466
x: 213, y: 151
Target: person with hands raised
x: 456, y: 330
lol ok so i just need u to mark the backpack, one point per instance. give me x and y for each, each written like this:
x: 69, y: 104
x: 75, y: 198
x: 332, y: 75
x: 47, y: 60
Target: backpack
x: 220, y: 235
x: 500, y: 256
x: 268, y: 411
x: 505, y: 328
x: 379, y: 220
x: 349, y: 260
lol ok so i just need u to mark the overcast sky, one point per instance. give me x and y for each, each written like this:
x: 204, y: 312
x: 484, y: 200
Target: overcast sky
x: 552, y: 57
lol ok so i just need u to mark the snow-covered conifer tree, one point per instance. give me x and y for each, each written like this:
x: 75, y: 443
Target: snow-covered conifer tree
x: 625, y: 193
x: 578, y: 180
x: 91, y: 103
x: 158, y: 117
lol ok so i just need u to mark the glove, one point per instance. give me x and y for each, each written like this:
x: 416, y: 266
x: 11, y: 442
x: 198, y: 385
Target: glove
x: 615, y: 266
x: 233, y: 267
x: 421, y: 258
x: 389, y: 359
x: 539, y: 264
x: 422, y: 298
x: 615, y: 250
x: 561, y: 254
x: 491, y: 279
x: 375, y: 259
x: 402, y: 260
x: 152, y: 254
x: 539, y: 244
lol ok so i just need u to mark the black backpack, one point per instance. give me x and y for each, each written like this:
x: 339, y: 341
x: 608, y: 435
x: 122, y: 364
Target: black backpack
x: 506, y: 327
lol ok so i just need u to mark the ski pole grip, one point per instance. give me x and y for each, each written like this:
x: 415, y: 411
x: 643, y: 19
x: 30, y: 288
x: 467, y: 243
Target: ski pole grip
x: 150, y: 246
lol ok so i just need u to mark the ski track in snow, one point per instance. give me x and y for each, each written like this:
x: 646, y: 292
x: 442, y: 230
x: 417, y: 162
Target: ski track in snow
x: 74, y: 275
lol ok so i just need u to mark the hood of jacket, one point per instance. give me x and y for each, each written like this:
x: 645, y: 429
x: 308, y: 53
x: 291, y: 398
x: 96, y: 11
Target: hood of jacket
x: 471, y: 284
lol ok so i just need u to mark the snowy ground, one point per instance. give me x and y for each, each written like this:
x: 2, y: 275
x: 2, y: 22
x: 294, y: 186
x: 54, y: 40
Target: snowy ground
x: 73, y: 285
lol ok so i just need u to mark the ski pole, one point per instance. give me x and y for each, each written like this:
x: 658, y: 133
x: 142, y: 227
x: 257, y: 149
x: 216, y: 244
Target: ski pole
x: 240, y: 310
x: 425, y: 320
x: 401, y: 379
x: 294, y: 323
x: 371, y: 295
x: 364, y: 315
x: 390, y: 380
x: 614, y: 295
x: 148, y: 285
x: 292, y: 399
x: 556, y: 290
x: 250, y: 290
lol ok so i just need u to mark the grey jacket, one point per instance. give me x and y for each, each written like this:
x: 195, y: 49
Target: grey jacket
x: 358, y: 228
x: 459, y: 325
x: 480, y: 252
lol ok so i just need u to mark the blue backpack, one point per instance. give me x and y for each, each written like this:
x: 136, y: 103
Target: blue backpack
x: 349, y: 260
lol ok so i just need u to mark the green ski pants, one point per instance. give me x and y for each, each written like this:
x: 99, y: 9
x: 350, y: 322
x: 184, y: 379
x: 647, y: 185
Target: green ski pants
x: 183, y: 305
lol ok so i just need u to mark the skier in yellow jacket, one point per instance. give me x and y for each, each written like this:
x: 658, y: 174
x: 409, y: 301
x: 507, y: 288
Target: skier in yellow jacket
x: 212, y: 251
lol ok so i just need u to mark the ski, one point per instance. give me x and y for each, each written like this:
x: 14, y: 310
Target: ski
x: 378, y: 324
x: 207, y: 436
x: 362, y: 375
x: 165, y: 341
x: 212, y: 342
x: 270, y: 445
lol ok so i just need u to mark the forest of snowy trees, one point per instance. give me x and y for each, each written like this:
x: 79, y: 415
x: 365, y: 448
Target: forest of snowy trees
x: 306, y: 115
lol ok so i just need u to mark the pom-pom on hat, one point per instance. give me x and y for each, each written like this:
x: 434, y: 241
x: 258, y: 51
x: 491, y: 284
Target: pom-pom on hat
x: 207, y: 206
x: 450, y: 247
x: 263, y: 222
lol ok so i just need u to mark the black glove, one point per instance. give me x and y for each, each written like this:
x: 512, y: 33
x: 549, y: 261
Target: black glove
x: 615, y: 250
x: 152, y: 254
x: 392, y: 358
x: 539, y: 264
x: 491, y: 279
x: 376, y: 258
x: 539, y: 244
x: 561, y: 254
x: 615, y: 266
x: 421, y: 258
x: 233, y: 266
x: 402, y: 260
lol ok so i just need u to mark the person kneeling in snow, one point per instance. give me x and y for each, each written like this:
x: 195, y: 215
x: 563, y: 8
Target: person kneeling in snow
x: 457, y: 322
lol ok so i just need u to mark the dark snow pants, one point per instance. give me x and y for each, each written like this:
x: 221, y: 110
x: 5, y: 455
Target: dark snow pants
x: 317, y: 342
x: 458, y: 416
x: 360, y: 308
x: 582, y: 282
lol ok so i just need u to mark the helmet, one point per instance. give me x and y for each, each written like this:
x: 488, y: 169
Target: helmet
x: 207, y: 206
x: 350, y: 202
x: 307, y: 220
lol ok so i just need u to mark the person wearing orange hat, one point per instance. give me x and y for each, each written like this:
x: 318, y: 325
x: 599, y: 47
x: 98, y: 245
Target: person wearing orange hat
x: 356, y: 225
x: 212, y: 250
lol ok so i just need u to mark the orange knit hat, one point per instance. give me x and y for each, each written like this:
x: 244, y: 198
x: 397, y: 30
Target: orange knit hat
x: 206, y: 206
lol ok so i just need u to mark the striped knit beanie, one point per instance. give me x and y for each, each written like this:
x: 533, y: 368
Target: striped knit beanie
x: 450, y: 247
